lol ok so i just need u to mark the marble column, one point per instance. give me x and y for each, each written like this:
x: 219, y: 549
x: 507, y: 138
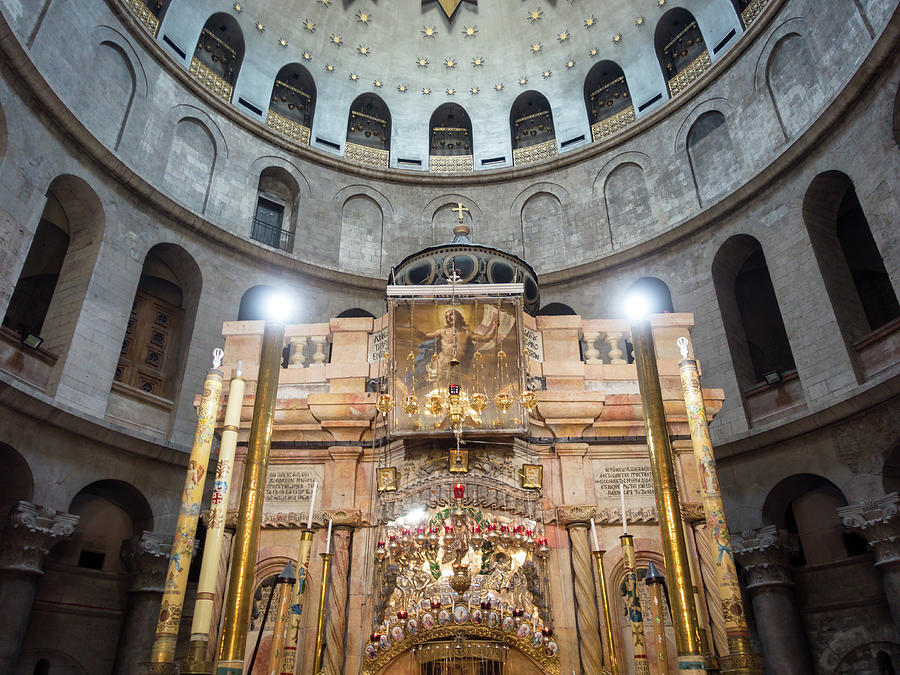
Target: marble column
x: 590, y: 647
x: 879, y: 522
x: 146, y: 557
x: 336, y: 611
x: 763, y: 555
x: 28, y: 535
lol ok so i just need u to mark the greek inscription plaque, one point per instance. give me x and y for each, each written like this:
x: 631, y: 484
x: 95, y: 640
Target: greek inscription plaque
x: 289, y: 488
x: 636, y: 478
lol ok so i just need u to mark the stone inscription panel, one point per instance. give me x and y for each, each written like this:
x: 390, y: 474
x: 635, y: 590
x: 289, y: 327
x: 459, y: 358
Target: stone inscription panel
x: 634, y: 475
x: 289, y: 488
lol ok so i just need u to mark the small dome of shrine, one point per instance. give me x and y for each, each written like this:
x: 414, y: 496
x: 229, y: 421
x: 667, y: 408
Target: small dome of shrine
x: 471, y: 263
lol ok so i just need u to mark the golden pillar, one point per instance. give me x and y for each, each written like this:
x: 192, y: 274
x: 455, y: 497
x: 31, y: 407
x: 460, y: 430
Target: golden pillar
x: 668, y: 511
x: 293, y: 628
x: 320, y: 620
x: 612, y: 657
x: 654, y: 581
x: 276, y: 655
x: 633, y: 606
x: 740, y: 657
x: 239, y: 600
x: 196, y: 661
x: 162, y: 655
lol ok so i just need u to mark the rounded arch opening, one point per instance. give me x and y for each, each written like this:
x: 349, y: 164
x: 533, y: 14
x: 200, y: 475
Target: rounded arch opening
x: 655, y: 293
x: 294, y: 97
x: 530, y: 120
x: 16, y: 479
x: 369, y: 123
x: 275, y: 215
x: 220, y: 47
x: 605, y: 92
x: 450, y: 131
x: 556, y: 309
x: 355, y: 313
x: 678, y: 41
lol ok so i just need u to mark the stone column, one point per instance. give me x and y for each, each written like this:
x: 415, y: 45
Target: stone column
x: 764, y: 555
x: 879, y: 522
x: 30, y: 532
x: 337, y: 600
x: 147, y: 558
x: 590, y: 647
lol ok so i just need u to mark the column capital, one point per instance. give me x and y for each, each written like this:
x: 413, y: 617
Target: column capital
x: 578, y: 514
x: 343, y: 517
x: 29, y: 533
x: 878, y: 520
x: 764, y: 554
x: 345, y: 452
x: 147, y: 557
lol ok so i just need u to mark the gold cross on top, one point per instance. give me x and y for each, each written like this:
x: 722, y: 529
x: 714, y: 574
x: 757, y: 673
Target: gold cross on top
x: 459, y: 211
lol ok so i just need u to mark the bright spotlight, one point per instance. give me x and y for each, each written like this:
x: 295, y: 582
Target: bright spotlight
x: 637, y: 305
x: 278, y: 306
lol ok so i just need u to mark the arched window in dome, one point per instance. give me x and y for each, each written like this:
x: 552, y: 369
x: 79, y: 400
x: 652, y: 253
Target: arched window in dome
x: 159, y: 327
x: 655, y: 293
x: 858, y: 285
x: 450, y: 140
x: 293, y: 103
x: 218, y: 56
x: 275, y: 218
x: 369, y: 132
x: 681, y: 49
x: 608, y: 101
x: 531, y: 129
x: 760, y: 350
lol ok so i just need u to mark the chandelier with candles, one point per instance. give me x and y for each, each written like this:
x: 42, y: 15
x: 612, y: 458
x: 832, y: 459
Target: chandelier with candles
x: 463, y: 569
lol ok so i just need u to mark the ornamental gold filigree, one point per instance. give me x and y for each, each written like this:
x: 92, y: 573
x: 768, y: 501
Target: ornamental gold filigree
x: 692, y: 72
x: 288, y: 128
x: 210, y: 80
x: 450, y: 164
x: 144, y: 15
x: 752, y: 11
x: 612, y: 124
x: 534, y: 153
x: 366, y: 155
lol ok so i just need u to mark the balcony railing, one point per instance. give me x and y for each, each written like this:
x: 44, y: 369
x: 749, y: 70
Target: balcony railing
x: 210, y: 80
x: 613, y: 123
x: 272, y: 235
x: 287, y: 127
x: 691, y: 72
x: 363, y: 154
x: 534, y: 153
x: 144, y: 15
x: 450, y: 163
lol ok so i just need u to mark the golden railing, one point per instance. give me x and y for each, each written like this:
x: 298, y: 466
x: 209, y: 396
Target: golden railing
x: 363, y: 154
x: 612, y: 124
x: 693, y: 70
x: 210, y: 80
x: 144, y: 15
x: 288, y: 127
x: 450, y: 164
x: 753, y: 10
x: 534, y: 153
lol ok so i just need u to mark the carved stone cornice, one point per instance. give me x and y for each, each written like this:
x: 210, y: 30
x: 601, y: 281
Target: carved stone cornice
x: 692, y: 513
x: 231, y: 520
x: 299, y: 519
x: 30, y: 532
x: 764, y: 555
x: 878, y: 520
x: 640, y: 515
x: 147, y: 557
x: 575, y: 514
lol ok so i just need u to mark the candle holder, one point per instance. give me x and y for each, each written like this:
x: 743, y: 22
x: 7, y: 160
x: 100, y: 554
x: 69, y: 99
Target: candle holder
x: 612, y: 658
x: 320, y: 621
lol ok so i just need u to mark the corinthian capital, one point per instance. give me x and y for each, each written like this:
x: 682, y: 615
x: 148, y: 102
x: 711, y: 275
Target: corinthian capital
x: 764, y: 554
x: 878, y: 520
x: 147, y: 557
x: 30, y: 532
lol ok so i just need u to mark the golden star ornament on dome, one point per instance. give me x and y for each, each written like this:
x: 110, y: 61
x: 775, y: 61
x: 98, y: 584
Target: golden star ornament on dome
x: 378, y: 83
x: 336, y: 39
x: 309, y: 25
x: 523, y: 81
x: 429, y: 32
x: 450, y: 62
x: 364, y: 50
x: 617, y: 37
x: 238, y: 7
x: 282, y: 42
x: 329, y: 67
x: 422, y: 62
x: 450, y: 91
x: 546, y: 74
x: 570, y: 64
x: 261, y: 28
x: 470, y: 31
x: 498, y: 86
x: 363, y: 17
x: 306, y: 56
x: 563, y: 36
x: 474, y: 90
x: 477, y: 61
x: 639, y: 21
x: 426, y: 91
x: 536, y: 47
x: 402, y: 88
x: 594, y: 52
x: 535, y: 15
x: 590, y: 21
x: 354, y: 77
